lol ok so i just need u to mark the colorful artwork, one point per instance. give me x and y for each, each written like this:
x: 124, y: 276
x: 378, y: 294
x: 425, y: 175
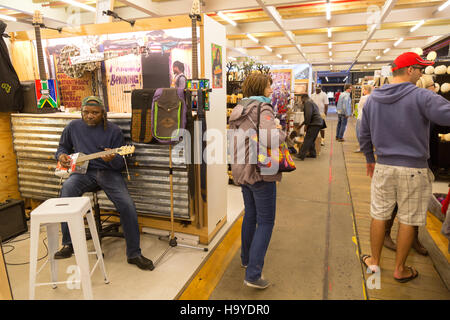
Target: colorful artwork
x: 281, y: 89
x: 216, y: 55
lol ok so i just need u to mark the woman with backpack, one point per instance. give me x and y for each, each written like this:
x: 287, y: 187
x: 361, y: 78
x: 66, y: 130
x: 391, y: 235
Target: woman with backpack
x: 258, y: 189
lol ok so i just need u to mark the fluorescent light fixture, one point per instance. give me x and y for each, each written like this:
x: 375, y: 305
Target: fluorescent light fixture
x: 268, y: 48
x: 290, y: 35
x: 224, y: 17
x: 368, y: 64
x: 5, y: 17
x: 329, y: 32
x: 330, y: 53
x: 285, y: 61
x: 80, y: 5
x: 232, y: 58
x: 378, y: 57
x: 327, y: 79
x: 331, y: 59
x: 329, y: 45
x: 328, y: 10
x: 279, y: 56
x: 445, y: 5
x: 398, y: 42
x: 241, y: 51
x: 345, y: 79
x: 252, y: 38
x: 299, y: 47
x: 331, y: 66
x: 386, y: 50
x: 417, y: 26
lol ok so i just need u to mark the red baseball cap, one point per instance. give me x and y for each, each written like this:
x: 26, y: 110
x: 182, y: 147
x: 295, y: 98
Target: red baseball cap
x: 408, y: 59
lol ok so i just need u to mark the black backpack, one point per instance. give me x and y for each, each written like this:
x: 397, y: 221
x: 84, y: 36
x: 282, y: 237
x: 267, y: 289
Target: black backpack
x: 11, y: 95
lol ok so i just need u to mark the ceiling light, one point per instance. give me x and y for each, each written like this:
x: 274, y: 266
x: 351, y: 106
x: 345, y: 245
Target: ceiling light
x: 224, y: 17
x: 345, y: 79
x: 232, y: 58
x: 275, y: 14
x: 285, y: 61
x: 329, y: 45
x: 378, y: 57
x: 268, y: 48
x: 417, y: 26
x: 331, y: 66
x: 5, y: 17
x: 329, y: 32
x: 290, y: 35
x: 368, y: 64
x: 398, y: 42
x: 299, y: 47
x: 445, y: 5
x: 330, y: 54
x: 80, y: 5
x: 252, y: 38
x: 279, y: 56
x: 328, y: 10
x: 386, y: 50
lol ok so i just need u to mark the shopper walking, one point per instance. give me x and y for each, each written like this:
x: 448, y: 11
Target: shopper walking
x: 396, y: 121
x: 313, y: 124
x: 320, y: 98
x: 258, y: 190
x: 344, y: 111
x: 367, y: 90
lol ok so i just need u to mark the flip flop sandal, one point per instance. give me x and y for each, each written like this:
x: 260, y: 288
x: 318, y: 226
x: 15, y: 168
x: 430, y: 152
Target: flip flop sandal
x: 363, y: 260
x: 413, y: 276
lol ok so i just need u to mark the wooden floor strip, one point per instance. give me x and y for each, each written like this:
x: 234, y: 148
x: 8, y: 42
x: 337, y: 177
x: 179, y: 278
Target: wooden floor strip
x: 204, y: 282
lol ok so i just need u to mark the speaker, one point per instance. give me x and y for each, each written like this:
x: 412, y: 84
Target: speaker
x: 29, y: 98
x: 12, y: 219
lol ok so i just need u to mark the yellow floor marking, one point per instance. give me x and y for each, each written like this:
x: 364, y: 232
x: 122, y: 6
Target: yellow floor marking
x: 434, y: 226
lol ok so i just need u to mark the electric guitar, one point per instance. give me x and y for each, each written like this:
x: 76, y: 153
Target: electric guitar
x: 47, y: 94
x: 79, y: 161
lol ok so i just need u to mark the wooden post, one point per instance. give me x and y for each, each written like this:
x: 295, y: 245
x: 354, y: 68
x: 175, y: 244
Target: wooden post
x: 9, y: 186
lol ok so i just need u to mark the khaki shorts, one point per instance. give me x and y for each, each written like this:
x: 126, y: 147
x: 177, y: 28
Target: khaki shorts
x: 410, y: 188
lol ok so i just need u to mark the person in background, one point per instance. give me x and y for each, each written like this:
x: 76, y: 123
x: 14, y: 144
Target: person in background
x: 320, y: 98
x: 90, y: 134
x: 336, y: 96
x: 396, y: 122
x: 179, y: 81
x: 367, y: 90
x: 426, y: 82
x: 313, y: 124
x: 258, y: 190
x: 344, y: 111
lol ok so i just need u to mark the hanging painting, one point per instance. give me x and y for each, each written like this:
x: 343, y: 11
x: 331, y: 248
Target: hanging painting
x: 216, y: 55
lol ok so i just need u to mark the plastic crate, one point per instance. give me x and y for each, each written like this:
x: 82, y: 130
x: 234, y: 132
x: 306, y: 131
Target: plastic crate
x: 435, y: 207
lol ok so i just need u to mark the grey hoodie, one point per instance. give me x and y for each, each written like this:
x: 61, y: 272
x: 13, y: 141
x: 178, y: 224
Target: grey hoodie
x: 396, y: 121
x: 244, y: 116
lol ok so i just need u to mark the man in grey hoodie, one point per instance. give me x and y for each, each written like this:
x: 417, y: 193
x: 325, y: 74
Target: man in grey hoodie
x: 396, y: 123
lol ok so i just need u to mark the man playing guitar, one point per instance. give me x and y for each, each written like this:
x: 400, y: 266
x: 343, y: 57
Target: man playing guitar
x: 91, y: 134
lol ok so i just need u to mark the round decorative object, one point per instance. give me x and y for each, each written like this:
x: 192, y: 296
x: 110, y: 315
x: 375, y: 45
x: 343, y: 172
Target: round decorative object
x: 448, y: 70
x: 432, y: 56
x: 445, y: 87
x: 429, y: 70
x: 436, y: 87
x: 73, y: 71
x: 419, y: 51
x: 440, y: 70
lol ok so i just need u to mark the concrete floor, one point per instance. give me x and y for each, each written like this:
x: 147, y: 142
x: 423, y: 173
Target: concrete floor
x: 312, y: 253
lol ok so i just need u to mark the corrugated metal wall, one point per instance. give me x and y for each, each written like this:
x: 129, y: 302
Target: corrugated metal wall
x: 36, y: 138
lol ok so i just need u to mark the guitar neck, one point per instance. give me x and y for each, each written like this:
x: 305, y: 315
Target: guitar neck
x: 37, y: 32
x: 96, y: 155
x: 194, y: 48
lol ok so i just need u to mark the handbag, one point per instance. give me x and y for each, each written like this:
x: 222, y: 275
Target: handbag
x: 267, y: 156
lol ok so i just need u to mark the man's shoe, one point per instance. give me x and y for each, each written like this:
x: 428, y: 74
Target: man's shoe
x: 142, y: 263
x: 258, y: 284
x: 299, y: 157
x: 65, y: 252
x: 310, y: 156
x: 341, y: 140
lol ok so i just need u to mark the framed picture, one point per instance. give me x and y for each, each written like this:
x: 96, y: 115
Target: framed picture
x: 216, y: 59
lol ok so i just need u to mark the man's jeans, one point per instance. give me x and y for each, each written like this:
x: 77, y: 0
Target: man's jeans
x: 259, y: 219
x: 358, y: 126
x: 115, y: 188
x: 341, y: 126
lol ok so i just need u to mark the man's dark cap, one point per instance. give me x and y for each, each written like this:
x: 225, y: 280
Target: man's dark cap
x: 92, y: 101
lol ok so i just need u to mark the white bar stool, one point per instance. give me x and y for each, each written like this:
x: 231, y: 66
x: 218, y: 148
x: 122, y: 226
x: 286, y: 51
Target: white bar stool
x: 71, y: 210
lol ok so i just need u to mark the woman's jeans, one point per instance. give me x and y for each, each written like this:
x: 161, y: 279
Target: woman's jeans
x: 113, y: 184
x: 341, y: 126
x: 259, y: 219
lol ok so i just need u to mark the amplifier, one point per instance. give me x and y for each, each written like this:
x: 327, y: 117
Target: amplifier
x: 12, y: 219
